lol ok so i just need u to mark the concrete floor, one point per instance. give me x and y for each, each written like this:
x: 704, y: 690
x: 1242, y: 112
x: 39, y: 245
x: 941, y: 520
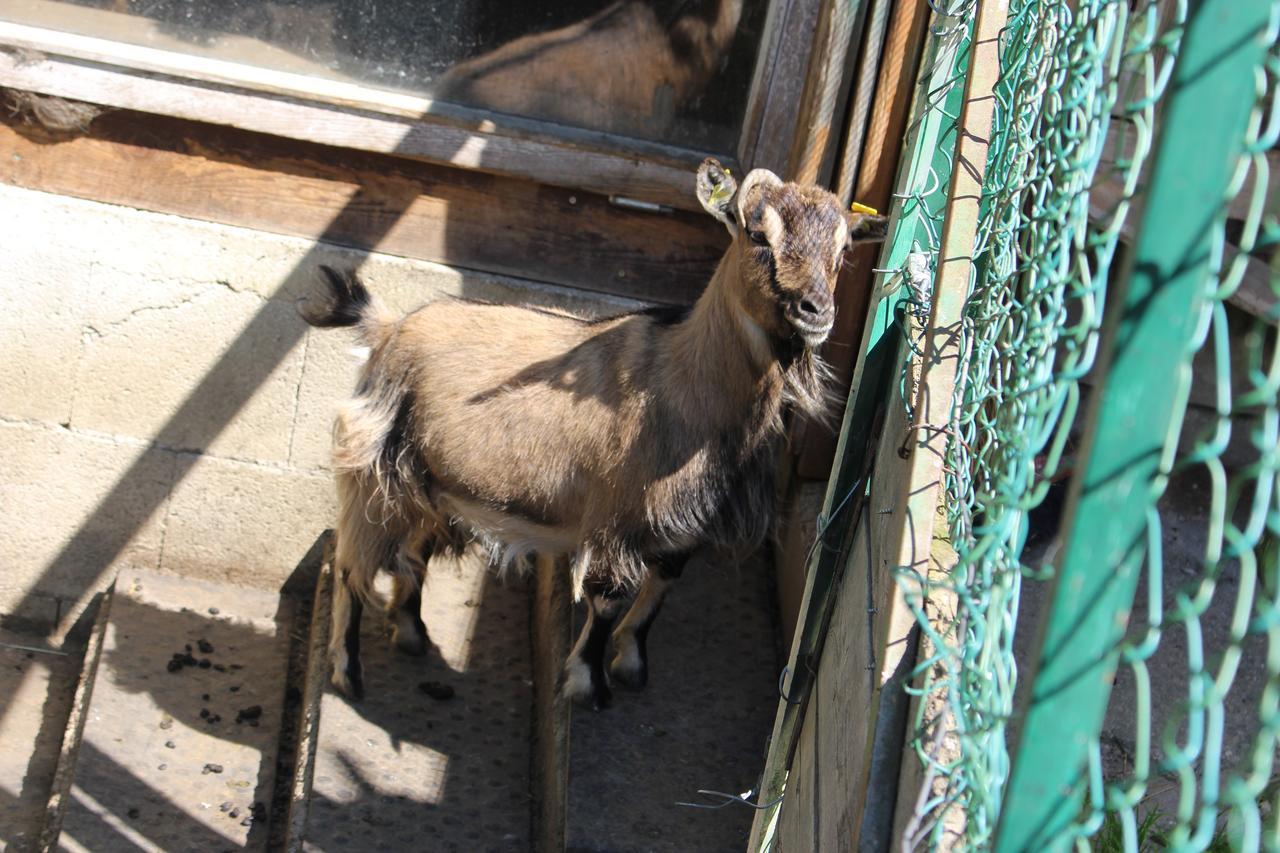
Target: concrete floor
x: 702, y: 722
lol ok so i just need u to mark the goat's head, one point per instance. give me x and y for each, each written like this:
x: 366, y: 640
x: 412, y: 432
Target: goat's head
x: 790, y: 242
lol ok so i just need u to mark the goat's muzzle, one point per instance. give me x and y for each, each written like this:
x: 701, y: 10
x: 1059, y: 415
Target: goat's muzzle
x: 811, y: 313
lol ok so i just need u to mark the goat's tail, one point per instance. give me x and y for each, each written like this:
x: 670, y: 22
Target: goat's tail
x: 347, y: 302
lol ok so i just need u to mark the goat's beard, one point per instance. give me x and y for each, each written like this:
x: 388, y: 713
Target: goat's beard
x: 808, y: 383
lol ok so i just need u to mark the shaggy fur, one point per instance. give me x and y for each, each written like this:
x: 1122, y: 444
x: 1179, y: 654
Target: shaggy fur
x: 620, y: 442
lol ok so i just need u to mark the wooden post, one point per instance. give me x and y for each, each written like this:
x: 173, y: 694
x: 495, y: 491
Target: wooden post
x: 551, y: 627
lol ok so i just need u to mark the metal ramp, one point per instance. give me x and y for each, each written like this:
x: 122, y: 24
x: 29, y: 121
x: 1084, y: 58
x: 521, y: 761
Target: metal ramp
x: 200, y: 719
x: 180, y: 720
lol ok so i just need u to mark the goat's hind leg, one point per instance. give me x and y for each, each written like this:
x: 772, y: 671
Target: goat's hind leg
x: 362, y: 547
x: 630, y: 664
x: 404, y: 610
x: 585, y: 681
x: 344, y: 638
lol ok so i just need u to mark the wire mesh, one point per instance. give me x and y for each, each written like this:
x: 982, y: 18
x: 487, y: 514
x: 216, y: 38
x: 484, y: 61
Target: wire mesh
x: 1031, y: 333
x: 1078, y: 101
x: 1231, y: 441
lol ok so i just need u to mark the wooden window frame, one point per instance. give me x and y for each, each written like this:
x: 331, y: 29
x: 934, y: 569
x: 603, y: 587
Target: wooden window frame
x: 349, y: 115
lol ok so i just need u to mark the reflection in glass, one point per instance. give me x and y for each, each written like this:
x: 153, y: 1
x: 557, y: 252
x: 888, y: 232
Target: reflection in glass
x: 675, y: 71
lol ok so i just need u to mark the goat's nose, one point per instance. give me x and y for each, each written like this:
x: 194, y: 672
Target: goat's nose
x: 809, y: 309
x: 815, y: 304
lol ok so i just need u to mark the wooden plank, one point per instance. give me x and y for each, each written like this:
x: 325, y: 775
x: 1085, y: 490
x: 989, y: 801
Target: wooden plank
x: 313, y: 687
x: 912, y: 790
x: 769, y: 60
x: 826, y: 85
x: 845, y: 681
x: 882, y: 149
x: 551, y: 626
x: 862, y: 97
x: 343, y: 114
x: 374, y: 202
x: 908, y: 30
x: 798, y: 819
x: 769, y: 146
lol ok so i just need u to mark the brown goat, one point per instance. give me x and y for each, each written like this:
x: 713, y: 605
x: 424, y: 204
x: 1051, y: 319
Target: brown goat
x: 625, y: 444
x: 627, y: 69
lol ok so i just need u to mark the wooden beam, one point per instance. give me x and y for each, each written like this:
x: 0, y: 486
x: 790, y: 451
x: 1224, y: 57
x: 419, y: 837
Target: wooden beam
x: 313, y: 686
x: 64, y: 773
x: 370, y: 202
x: 825, y: 90
x: 340, y: 113
x: 773, y: 112
x: 862, y: 97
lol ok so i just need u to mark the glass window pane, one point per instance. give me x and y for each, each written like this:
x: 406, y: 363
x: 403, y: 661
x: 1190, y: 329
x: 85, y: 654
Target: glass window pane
x: 673, y: 71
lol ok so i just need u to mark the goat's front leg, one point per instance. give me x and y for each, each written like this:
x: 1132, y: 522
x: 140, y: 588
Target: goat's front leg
x: 630, y: 664
x: 585, y: 681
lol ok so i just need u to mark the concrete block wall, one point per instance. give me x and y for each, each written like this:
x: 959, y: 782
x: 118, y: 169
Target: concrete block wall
x: 162, y: 406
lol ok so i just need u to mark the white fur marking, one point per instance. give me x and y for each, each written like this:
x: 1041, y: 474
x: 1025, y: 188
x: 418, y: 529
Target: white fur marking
x: 577, y: 675
x: 626, y: 658
x: 507, y: 538
x: 773, y: 227
x: 577, y: 680
x: 338, y: 656
x: 839, y: 239
x: 757, y: 340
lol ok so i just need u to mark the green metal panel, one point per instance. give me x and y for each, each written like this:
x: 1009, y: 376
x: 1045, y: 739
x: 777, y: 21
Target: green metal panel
x: 1134, y: 423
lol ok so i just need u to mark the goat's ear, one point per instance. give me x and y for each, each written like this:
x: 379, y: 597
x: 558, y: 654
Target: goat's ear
x: 750, y: 192
x: 716, y: 189
x: 866, y: 228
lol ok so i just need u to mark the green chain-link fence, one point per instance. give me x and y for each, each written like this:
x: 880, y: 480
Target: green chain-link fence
x: 1126, y: 226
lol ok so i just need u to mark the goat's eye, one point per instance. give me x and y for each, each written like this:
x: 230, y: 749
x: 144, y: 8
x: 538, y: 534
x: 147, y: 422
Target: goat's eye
x: 758, y: 238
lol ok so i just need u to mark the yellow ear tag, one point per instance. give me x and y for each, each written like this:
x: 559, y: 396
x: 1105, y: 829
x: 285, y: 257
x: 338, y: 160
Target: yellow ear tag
x: 722, y: 191
x: 862, y: 208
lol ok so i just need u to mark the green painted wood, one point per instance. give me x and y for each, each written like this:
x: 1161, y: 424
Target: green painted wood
x: 1134, y: 421
x: 925, y: 171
